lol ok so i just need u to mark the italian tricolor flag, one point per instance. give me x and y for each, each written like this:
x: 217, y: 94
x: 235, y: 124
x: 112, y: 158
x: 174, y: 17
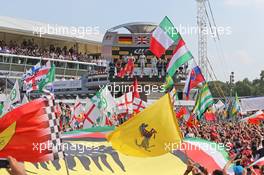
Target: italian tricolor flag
x: 163, y: 37
x: 180, y: 56
x: 208, y: 154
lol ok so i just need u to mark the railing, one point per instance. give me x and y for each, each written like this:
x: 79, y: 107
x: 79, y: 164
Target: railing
x: 15, y: 65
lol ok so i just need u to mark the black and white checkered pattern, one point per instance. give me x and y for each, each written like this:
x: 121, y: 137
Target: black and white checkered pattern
x: 57, y: 150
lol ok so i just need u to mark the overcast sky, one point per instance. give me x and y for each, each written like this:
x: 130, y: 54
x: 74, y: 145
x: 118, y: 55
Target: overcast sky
x: 242, y: 45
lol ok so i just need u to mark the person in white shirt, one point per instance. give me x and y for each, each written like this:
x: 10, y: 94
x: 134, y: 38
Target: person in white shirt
x: 154, y: 65
x: 142, y: 61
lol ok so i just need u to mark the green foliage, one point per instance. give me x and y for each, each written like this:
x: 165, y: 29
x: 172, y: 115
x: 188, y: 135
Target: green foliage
x: 243, y: 88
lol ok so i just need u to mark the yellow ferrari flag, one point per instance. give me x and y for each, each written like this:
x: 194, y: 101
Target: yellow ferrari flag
x: 149, y: 132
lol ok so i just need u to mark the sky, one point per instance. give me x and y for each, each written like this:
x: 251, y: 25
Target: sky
x: 239, y: 50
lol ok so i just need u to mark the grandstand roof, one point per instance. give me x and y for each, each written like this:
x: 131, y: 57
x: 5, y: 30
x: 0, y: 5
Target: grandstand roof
x: 32, y: 28
x: 136, y: 27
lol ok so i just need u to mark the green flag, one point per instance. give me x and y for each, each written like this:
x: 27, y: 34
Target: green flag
x: 203, y: 102
x: 50, y: 77
x: 235, y: 106
x: 1, y: 109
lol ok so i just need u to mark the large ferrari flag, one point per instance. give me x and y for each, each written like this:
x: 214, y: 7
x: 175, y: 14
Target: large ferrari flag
x: 31, y: 132
x: 148, y: 132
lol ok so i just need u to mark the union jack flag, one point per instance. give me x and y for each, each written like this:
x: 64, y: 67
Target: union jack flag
x: 142, y: 40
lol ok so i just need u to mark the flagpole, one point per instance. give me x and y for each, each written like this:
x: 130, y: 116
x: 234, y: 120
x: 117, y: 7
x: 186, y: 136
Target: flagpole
x: 66, y: 165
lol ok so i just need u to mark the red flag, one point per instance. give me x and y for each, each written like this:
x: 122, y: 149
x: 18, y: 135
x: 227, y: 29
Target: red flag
x: 128, y: 69
x: 183, y: 111
x: 135, y: 89
x: 192, y: 121
x: 209, y: 116
x: 31, y: 132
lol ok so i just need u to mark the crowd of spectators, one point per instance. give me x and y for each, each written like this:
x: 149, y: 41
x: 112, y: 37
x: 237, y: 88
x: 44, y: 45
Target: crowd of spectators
x: 244, y: 142
x: 31, y: 48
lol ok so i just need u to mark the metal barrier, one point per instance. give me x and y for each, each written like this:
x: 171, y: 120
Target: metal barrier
x: 13, y: 66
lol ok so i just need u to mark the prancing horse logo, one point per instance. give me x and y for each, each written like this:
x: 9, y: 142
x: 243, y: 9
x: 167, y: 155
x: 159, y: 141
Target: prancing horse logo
x: 146, y: 136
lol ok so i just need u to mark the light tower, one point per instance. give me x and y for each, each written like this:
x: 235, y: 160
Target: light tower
x: 202, y: 37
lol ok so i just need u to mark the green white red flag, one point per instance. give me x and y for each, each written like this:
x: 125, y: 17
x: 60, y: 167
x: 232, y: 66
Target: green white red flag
x: 208, y: 154
x: 163, y: 37
x: 181, y: 55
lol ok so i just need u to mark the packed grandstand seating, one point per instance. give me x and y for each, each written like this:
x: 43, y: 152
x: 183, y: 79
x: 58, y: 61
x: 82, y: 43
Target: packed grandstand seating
x: 30, y: 48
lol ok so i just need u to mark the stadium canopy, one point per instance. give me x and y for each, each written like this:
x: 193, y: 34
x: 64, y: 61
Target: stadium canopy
x: 252, y: 104
x: 30, y: 28
x: 136, y: 27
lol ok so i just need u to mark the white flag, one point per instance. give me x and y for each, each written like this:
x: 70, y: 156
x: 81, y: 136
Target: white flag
x: 25, y: 99
x: 14, y: 95
x: 104, y: 101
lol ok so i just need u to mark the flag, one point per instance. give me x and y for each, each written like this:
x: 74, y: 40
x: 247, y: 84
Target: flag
x: 182, y: 112
x: 11, y: 99
x: 194, y: 79
x: 25, y: 99
x: 254, y: 118
x: 181, y: 55
x: 235, y: 107
x: 173, y: 96
x: 147, y: 133
x: 138, y: 105
x: 91, y: 114
x: 208, y: 154
x: 104, y: 101
x: 49, y: 78
x: 163, y: 37
x: 38, y: 77
x: 1, y: 109
x: 31, y: 132
x: 169, y: 82
x: 14, y: 95
x: 135, y: 89
x: 203, y: 102
x: 128, y: 69
x: 191, y: 120
x: 78, y: 111
x: 209, y: 116
x: 126, y: 40
x: 259, y: 162
x: 125, y: 103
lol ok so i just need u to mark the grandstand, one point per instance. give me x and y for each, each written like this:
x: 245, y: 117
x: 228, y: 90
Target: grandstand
x: 82, y: 62
x: 24, y: 43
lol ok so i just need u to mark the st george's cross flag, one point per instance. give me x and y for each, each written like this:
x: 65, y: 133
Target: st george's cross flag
x: 138, y: 103
x: 31, y: 132
x: 91, y: 114
x: 147, y: 133
x: 163, y: 37
x: 125, y: 103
